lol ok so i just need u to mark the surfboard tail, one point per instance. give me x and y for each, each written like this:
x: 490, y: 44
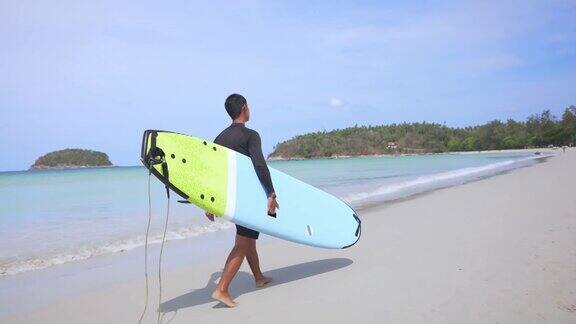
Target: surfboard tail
x: 195, y: 169
x: 154, y: 159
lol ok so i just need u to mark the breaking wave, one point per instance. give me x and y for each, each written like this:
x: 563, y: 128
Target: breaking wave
x: 17, y: 265
x: 429, y: 182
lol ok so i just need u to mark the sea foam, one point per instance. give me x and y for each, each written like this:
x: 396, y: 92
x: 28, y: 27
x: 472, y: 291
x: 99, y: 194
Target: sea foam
x: 19, y: 265
x: 434, y: 181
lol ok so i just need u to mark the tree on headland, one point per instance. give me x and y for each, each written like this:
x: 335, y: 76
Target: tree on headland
x: 569, y: 126
x: 539, y: 130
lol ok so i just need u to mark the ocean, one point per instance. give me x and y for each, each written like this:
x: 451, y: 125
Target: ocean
x: 53, y: 217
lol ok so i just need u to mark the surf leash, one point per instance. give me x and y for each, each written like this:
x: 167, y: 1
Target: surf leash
x: 166, y: 175
x: 156, y: 156
x: 160, y: 262
x: 146, y: 249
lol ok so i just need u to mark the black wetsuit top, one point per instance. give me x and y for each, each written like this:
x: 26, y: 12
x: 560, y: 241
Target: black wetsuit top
x: 247, y: 141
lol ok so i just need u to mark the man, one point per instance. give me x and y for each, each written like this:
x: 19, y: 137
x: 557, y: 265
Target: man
x: 245, y: 141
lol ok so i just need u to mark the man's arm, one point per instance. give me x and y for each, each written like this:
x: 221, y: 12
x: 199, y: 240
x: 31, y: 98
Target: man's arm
x: 259, y: 163
x: 255, y: 150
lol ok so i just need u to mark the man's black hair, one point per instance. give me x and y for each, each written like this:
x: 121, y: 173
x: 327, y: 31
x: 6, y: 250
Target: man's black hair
x: 234, y: 104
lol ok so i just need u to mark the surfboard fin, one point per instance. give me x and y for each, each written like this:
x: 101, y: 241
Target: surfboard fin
x: 358, y: 230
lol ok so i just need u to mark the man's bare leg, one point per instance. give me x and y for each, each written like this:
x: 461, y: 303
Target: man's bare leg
x: 254, y: 262
x: 233, y: 263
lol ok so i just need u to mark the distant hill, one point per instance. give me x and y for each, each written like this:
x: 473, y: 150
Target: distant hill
x: 538, y: 130
x: 71, y: 158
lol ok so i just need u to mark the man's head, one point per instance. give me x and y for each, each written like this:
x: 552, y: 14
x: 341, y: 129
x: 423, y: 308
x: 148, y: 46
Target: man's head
x: 237, y: 107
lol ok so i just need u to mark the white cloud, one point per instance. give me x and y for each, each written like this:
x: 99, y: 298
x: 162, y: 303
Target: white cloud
x: 335, y: 102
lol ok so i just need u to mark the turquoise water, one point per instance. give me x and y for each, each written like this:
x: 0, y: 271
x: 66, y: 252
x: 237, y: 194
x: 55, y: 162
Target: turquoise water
x: 53, y: 217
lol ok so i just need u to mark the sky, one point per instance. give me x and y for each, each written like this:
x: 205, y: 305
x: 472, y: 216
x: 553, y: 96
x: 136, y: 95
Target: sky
x: 96, y: 74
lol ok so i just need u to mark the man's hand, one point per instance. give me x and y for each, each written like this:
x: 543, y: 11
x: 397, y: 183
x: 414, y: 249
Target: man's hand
x: 210, y: 216
x: 272, y: 204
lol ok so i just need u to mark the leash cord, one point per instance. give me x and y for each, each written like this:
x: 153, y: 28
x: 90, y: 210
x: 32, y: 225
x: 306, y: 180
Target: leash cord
x: 160, y: 263
x: 146, y: 250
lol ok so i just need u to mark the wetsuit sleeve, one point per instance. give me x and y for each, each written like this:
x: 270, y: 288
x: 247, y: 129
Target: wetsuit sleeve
x: 259, y: 163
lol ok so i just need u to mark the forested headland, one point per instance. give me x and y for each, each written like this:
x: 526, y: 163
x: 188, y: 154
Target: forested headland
x: 539, y: 130
x: 72, y: 158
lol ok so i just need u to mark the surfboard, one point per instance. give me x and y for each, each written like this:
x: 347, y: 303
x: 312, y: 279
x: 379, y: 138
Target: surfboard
x: 223, y: 182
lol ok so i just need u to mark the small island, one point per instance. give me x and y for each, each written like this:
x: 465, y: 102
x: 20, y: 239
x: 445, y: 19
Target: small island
x: 72, y: 158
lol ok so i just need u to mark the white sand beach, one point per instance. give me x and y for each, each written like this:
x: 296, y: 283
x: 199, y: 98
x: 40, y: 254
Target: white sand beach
x: 498, y: 250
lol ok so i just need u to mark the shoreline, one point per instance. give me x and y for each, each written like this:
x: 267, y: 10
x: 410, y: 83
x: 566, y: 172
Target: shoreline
x: 378, y: 205
x: 499, y: 249
x: 541, y: 150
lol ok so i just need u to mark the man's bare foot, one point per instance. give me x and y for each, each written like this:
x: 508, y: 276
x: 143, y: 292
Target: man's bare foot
x: 224, y: 298
x: 263, y: 281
